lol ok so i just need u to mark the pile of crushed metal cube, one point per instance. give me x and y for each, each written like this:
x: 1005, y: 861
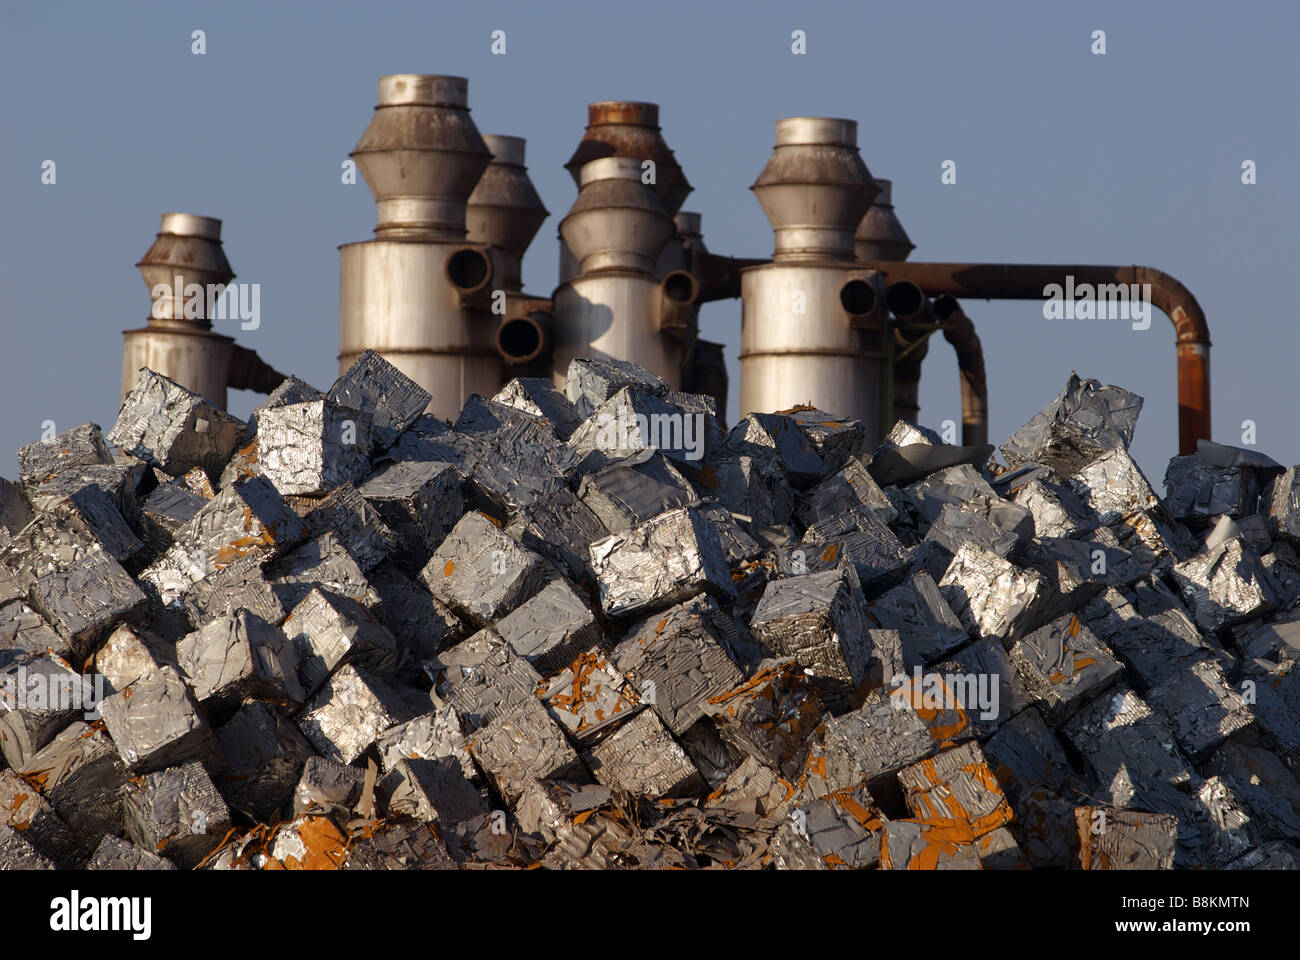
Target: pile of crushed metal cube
x: 589, y: 628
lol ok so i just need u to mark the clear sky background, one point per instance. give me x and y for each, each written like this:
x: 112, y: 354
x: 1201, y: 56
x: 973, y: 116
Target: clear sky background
x: 1062, y: 157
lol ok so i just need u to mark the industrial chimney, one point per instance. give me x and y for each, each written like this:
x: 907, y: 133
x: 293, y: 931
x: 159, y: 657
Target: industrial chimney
x: 418, y: 293
x: 811, y: 318
x: 187, y: 273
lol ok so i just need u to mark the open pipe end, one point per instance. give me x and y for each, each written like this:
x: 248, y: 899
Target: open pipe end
x: 859, y: 298
x: 523, y: 339
x: 469, y: 270
x: 905, y: 299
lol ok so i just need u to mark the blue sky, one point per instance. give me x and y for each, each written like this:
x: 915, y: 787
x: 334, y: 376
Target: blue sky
x: 1062, y: 156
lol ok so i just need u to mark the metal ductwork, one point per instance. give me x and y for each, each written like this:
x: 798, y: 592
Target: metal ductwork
x: 186, y: 271
x: 1027, y: 281
x: 418, y: 293
x: 615, y: 306
x: 960, y: 332
x: 504, y: 211
x: 880, y: 235
x: 800, y: 343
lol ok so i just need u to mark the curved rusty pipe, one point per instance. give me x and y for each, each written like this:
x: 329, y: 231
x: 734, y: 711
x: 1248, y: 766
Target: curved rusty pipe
x: 248, y: 371
x: 1015, y: 281
x: 960, y: 332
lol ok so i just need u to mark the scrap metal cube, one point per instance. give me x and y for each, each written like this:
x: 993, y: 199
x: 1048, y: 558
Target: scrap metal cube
x: 173, y: 428
x: 867, y: 746
x: 818, y: 620
x: 264, y: 753
x: 770, y: 716
x: 327, y: 786
x: 391, y: 399
x: 17, y: 854
x: 114, y: 853
x: 1111, y: 838
x: 481, y: 572
x: 635, y: 489
x: 38, y: 698
x: 589, y: 696
x: 81, y: 446
x: 926, y: 625
x: 1064, y: 665
x: 642, y: 758
x: 357, y: 524
x: 156, y: 723
x: 589, y: 382
x: 312, y: 448
x: 1113, y: 486
x: 482, y: 677
x: 236, y: 586
x: 660, y: 563
x: 23, y: 809
x: 240, y: 656
x: 990, y: 597
x: 857, y: 536
x: 326, y: 629
x: 24, y: 634
x: 1080, y: 426
x: 431, y: 736
x: 1057, y: 511
x: 956, y: 784
x: 521, y: 744
x: 431, y: 791
x: 842, y: 831
x: 1201, y: 708
x: 551, y: 628
x: 177, y: 812
x: 322, y: 563
x: 539, y: 397
x: 81, y: 774
x: 349, y: 713
x: 561, y: 528
x: 1227, y: 584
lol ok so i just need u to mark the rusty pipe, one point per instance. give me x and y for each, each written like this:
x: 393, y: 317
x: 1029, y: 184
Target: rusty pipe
x: 677, y: 293
x: 1012, y: 281
x: 248, y: 371
x: 959, y: 331
x: 523, y: 338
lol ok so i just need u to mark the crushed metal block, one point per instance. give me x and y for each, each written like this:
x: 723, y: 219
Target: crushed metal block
x: 325, y: 630
x: 312, y: 448
x: 432, y: 736
x: 23, y: 809
x: 660, y: 563
x: 840, y: 831
x: 81, y: 774
x: 1112, y: 838
x: 852, y: 487
x: 249, y: 518
x: 327, y: 786
x: 521, y: 744
x: 836, y: 439
x: 1064, y: 666
x: 86, y: 599
x: 77, y: 447
x: 1057, y: 511
x: 561, y: 528
x: 420, y: 502
x: 24, y: 634
x: 174, y: 429
x: 114, y: 853
x: 38, y: 698
x: 156, y: 723
x: 539, y: 397
x: 243, y: 464
x: 551, y: 628
x: 635, y: 489
x: 780, y: 442
x: 482, y: 677
x: 857, y: 536
x: 522, y: 463
x: 399, y: 846
x: 431, y: 791
x: 1155, y: 540
x: 956, y: 784
x: 753, y: 787
x: 642, y: 758
x: 926, y: 625
x: 590, y: 382
x: 1201, y: 708
x: 1033, y: 770
x: 589, y: 696
x: 984, y: 688
x: 1084, y: 422
x: 711, y: 756
x: 165, y: 511
x: 1129, y: 751
x: 481, y: 572
x: 925, y: 499
x: 818, y: 620
x: 737, y: 545
x: 291, y: 390
x: 177, y: 812
x: 633, y: 419
x: 421, y: 625
x: 770, y: 716
x: 323, y: 563
x: 391, y: 399
x: 264, y: 755
x: 1227, y: 584
x: 990, y: 597
x: 677, y: 664
x: 996, y: 525
x: 749, y: 487
x: 238, y: 585
x: 867, y: 746
x: 17, y: 854
x: 1226, y: 828
x: 350, y: 712
x: 1284, y: 507
x: 1113, y: 486
x: 237, y: 657
x: 358, y: 525
x: 936, y: 845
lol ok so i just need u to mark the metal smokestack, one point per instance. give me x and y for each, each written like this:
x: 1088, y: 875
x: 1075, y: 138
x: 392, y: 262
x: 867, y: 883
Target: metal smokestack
x: 505, y: 211
x: 807, y: 333
x: 409, y: 293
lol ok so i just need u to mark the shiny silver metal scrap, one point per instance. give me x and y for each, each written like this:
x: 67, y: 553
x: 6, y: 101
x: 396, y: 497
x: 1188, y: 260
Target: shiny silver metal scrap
x: 523, y: 743
x: 1132, y: 840
x: 853, y: 486
x: 539, y: 397
x: 39, y: 696
x: 170, y: 507
x: 633, y: 419
x: 868, y: 745
x: 431, y: 736
x: 155, y: 722
x: 589, y: 696
x: 323, y: 631
x: 635, y: 489
x: 561, y: 528
x: 590, y: 382
x: 659, y: 563
x: 642, y: 758
x: 1063, y: 666
x: 358, y: 525
x: 1227, y: 584
x: 779, y: 442
x: 350, y: 711
x: 1057, y: 511
x: 1201, y: 708
x: 249, y: 518
x: 522, y: 463
x: 749, y: 487
x: 17, y: 854
x: 389, y: 397
x: 551, y: 628
x: 817, y: 619
x: 174, y: 429
x: 24, y: 634
x: 313, y: 447
x: 432, y: 791
x: 420, y: 502
x: 856, y: 537
x: 1113, y: 485
x: 324, y: 563
x: 327, y: 786
x: 76, y: 447
x: 840, y: 832
x: 114, y: 853
x: 177, y: 812
x: 482, y: 572
x: 28, y: 812
x: 290, y: 390
x: 926, y: 625
x: 1081, y: 424
x: 84, y: 600
x: 903, y: 434
x: 990, y: 597
x: 236, y: 657
x: 1284, y: 506
x: 481, y: 677
x: 241, y: 584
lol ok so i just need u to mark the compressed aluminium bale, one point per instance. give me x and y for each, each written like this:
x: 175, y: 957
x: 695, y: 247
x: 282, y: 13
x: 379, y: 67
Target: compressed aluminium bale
x: 313, y: 447
x: 174, y: 429
x: 177, y: 812
x: 391, y: 399
x: 481, y: 572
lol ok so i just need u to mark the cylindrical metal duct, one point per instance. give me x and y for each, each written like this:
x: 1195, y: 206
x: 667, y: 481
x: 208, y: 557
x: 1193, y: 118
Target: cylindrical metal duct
x: 800, y: 343
x: 617, y: 222
x: 524, y: 338
x: 504, y: 211
x: 815, y: 189
x: 960, y: 332
x: 409, y: 294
